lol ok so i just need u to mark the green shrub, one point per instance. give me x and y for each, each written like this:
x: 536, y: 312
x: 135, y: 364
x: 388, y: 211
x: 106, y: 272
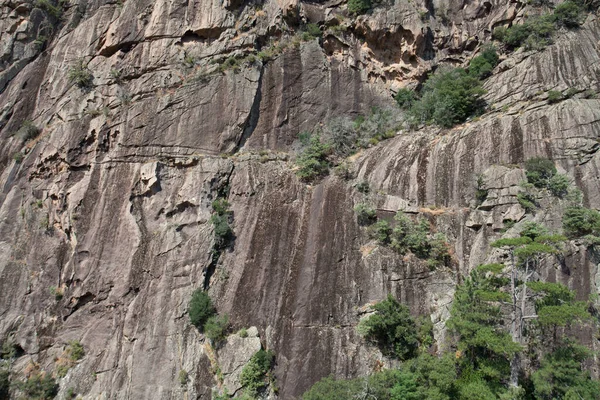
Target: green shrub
x: 220, y: 206
x: 535, y: 33
x: 448, y: 97
x: 417, y: 238
x: 311, y: 31
x: 392, y: 329
x: 255, y: 375
x: 527, y: 201
x: 568, y: 14
x: 554, y: 96
x: 481, y: 193
x: 482, y: 66
x: 312, y: 161
x: 405, y: 98
x: 559, y: 185
x: 4, y: 383
x: 27, y: 131
x: 200, y: 309
x: 243, y: 333
x: 381, y: 231
x: 580, y: 221
x: 216, y: 327
x: 365, y: 214
x: 183, y: 377
x: 52, y: 10
x: 80, y: 75
x: 39, y: 386
x: 222, y: 231
x: 533, y: 230
x: 539, y: 171
x: 18, y: 157
x: 363, y: 187
x: 357, y: 7
x: 75, y: 350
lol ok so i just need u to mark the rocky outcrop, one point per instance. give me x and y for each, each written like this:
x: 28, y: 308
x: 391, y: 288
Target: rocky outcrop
x: 111, y: 203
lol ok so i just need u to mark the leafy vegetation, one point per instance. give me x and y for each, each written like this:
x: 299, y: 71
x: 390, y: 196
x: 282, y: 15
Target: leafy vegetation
x: 580, y: 221
x: 554, y: 96
x: 220, y: 220
x: 482, y: 66
x: 536, y: 32
x: 80, y: 75
x: 200, y: 309
x: 255, y: 376
x: 183, y: 377
x: 392, y: 329
x: 216, y: 326
x: 328, y: 145
x: 358, y: 7
x: 365, y: 214
x: 415, y: 237
x: 312, y: 161
x: 27, y: 131
x: 539, y: 171
x: 405, y: 98
x: 448, y: 98
x: 39, y: 386
x: 4, y: 382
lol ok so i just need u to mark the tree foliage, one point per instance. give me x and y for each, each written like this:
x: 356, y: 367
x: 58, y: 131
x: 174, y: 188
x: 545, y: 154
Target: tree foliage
x: 448, y: 98
x: 481, y: 66
x: 392, y: 329
x: 200, y: 309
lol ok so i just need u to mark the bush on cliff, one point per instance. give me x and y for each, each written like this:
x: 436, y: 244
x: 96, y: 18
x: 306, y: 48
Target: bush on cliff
x: 481, y: 66
x: 200, y: 309
x: 255, y: 376
x: 392, y: 329
x: 357, y: 7
x: 448, y: 98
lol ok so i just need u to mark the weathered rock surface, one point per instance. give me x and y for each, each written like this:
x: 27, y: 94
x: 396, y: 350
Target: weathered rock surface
x: 111, y: 203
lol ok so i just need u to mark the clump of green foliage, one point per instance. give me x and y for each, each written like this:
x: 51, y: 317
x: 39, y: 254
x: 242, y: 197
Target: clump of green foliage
x: 216, y: 326
x: 80, y: 75
x: 448, y: 98
x: 358, y: 7
x: 536, y: 32
x: 580, y: 221
x: 200, y: 309
x: 554, y: 96
x: 220, y: 220
x: 481, y: 193
x: 311, y: 31
x: 568, y: 14
x: 365, y: 214
x: 39, y: 386
x: 4, y: 382
x: 183, y: 377
x: 53, y: 9
x: 328, y: 145
x: 75, y: 350
x: 27, y: 131
x: 405, y: 98
x: 312, y: 161
x: 482, y: 66
x: 539, y: 171
x: 416, y: 237
x: 392, y: 329
x: 255, y: 376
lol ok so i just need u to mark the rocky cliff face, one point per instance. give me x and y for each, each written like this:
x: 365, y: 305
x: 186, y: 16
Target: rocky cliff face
x: 110, y: 204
